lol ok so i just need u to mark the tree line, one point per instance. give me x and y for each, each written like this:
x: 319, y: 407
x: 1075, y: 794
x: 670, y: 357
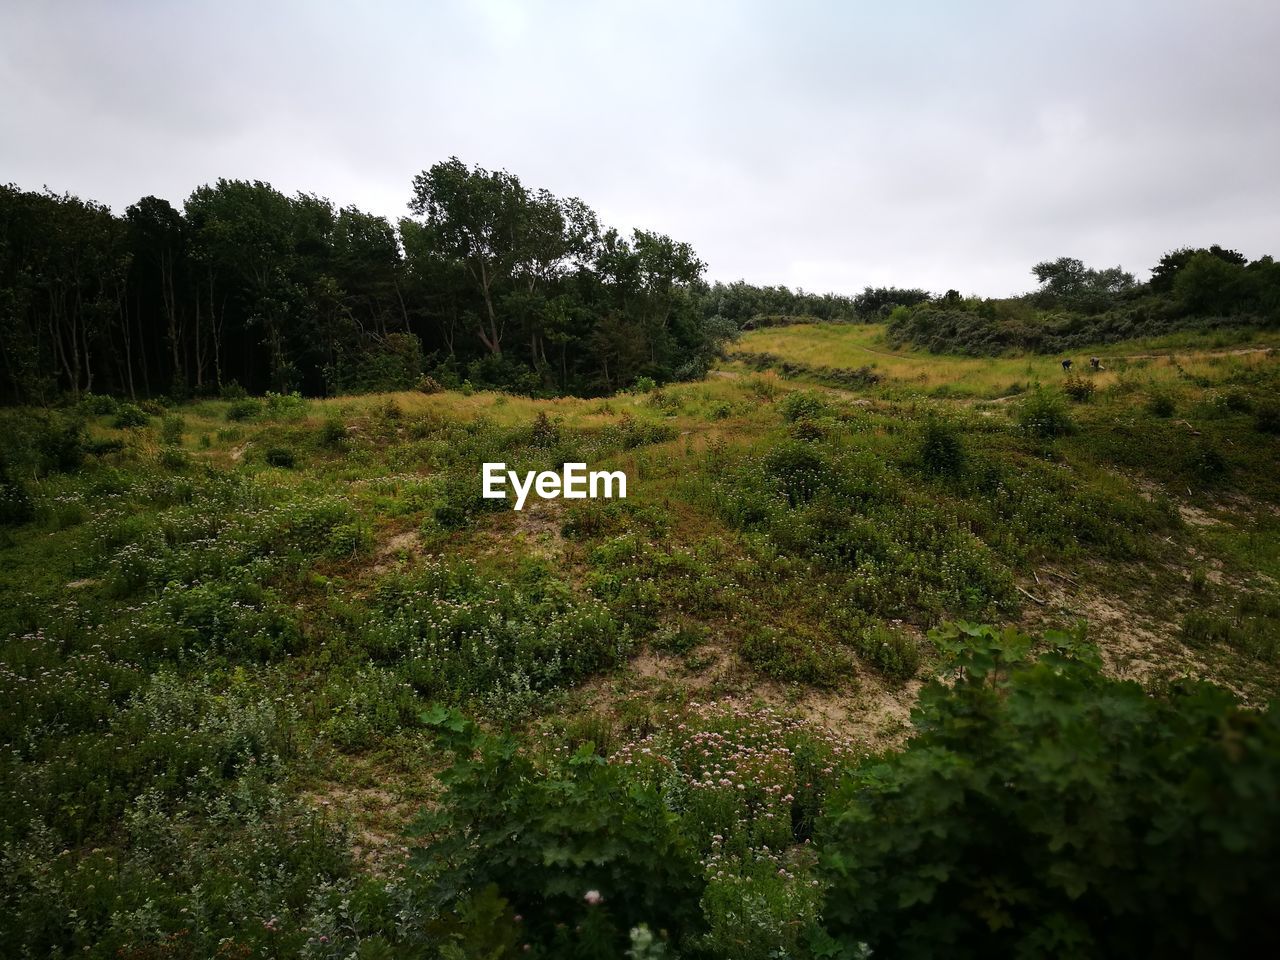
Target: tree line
x: 487, y: 281
x: 1074, y: 305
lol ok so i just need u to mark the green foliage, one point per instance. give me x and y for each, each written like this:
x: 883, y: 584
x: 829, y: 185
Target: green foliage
x: 1266, y: 418
x: 786, y: 656
x: 1044, y: 809
x: 1161, y: 403
x: 1080, y: 389
x: 802, y: 405
x: 457, y: 636
x: 171, y: 430
x: 1250, y: 624
x: 332, y: 434
x: 280, y: 457
x: 130, y: 415
x: 579, y: 852
x: 1042, y: 414
x: 244, y: 409
x: 941, y: 451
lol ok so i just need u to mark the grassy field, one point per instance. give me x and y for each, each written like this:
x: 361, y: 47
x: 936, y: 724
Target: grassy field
x: 228, y: 622
x: 850, y: 346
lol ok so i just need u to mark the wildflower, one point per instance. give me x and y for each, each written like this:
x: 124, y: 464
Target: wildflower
x: 593, y: 897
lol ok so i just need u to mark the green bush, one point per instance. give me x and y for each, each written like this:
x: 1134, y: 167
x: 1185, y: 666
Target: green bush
x: 243, y: 409
x: 1160, y: 403
x: 1044, y: 809
x: 1079, y: 389
x: 171, y: 428
x: 98, y: 405
x: 131, y: 415
x: 786, y: 656
x: 1266, y: 418
x: 333, y: 433
x: 802, y: 405
x: 16, y: 507
x: 280, y: 457
x: 1043, y: 414
x: 578, y: 852
x: 941, y: 451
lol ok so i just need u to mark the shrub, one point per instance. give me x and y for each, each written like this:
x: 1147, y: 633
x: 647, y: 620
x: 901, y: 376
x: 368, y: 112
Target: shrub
x: 98, y: 405
x: 891, y: 651
x: 941, y: 451
x: 175, y: 459
x: 1042, y: 414
x: 131, y: 415
x: 544, y: 432
x: 280, y: 457
x: 16, y: 507
x: 427, y: 384
x: 1044, y: 809
x: 171, y: 428
x: 103, y: 447
x: 786, y: 656
x: 799, y: 470
x: 233, y: 391
x: 1206, y: 463
x: 333, y: 432
x: 644, y: 385
x: 1266, y: 418
x: 243, y: 409
x: 578, y: 851
x: 1079, y: 389
x: 802, y: 405
x: 1160, y: 403
x: 811, y: 430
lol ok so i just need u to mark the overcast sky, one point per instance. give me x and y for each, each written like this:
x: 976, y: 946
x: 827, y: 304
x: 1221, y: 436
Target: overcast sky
x: 825, y: 145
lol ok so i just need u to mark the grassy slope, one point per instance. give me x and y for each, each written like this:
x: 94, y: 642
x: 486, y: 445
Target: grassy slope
x: 912, y: 371
x: 1119, y: 522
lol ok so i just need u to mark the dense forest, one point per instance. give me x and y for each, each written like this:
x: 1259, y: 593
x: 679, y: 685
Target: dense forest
x: 487, y: 281
x: 245, y: 287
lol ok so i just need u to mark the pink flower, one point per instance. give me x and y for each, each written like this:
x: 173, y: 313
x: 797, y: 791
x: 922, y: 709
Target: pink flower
x: 593, y: 897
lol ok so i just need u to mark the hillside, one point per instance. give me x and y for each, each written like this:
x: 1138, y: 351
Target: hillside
x: 246, y: 637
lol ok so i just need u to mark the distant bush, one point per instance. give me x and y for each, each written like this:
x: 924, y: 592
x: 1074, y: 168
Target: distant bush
x: 1206, y: 462
x: 941, y: 450
x: 812, y: 430
x: 16, y: 507
x: 1079, y: 389
x: 130, y: 415
x: 891, y: 651
x: 244, y: 409
x: 98, y: 405
x: 175, y: 459
x: 802, y: 405
x: 1266, y: 418
x: 1160, y: 403
x: 171, y: 428
x: 333, y: 432
x: 103, y: 447
x: 786, y: 656
x: 288, y: 406
x: 233, y: 391
x: 280, y: 457
x: 1043, y: 414
x: 428, y: 384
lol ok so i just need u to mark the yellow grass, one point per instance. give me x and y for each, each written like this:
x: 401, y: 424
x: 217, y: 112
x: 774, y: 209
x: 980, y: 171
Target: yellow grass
x: 857, y: 345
